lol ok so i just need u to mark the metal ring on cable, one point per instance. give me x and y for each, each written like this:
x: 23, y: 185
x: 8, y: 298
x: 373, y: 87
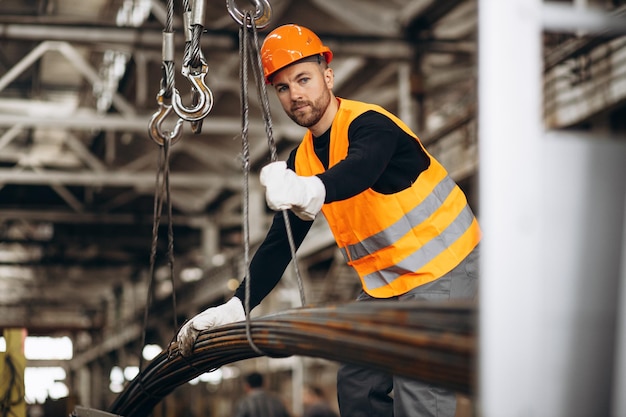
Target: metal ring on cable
x: 262, y: 15
x: 155, y: 127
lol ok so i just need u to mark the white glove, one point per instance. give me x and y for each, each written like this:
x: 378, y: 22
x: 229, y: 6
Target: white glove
x: 287, y: 190
x: 229, y: 312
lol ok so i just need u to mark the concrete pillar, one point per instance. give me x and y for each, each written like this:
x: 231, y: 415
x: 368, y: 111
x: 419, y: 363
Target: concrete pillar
x: 553, y: 213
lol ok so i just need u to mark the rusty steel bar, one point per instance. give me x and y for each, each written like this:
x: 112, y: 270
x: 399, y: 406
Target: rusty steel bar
x: 433, y: 342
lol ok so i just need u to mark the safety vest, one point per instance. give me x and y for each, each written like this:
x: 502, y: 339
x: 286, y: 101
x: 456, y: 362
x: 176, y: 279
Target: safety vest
x: 399, y: 241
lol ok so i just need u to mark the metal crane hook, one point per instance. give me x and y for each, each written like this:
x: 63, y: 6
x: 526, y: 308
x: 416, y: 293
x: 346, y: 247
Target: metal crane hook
x: 155, y: 129
x: 204, y: 94
x: 262, y: 15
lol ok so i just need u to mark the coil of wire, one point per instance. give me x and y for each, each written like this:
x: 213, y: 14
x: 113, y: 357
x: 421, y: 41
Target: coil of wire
x: 432, y: 342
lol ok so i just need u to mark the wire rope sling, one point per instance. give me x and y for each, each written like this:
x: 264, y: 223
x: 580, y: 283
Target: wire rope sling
x: 195, y: 68
x: 249, y: 51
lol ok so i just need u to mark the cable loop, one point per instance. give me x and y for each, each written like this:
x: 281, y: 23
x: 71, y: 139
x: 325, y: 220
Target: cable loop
x: 249, y: 51
x: 155, y: 127
x: 262, y: 15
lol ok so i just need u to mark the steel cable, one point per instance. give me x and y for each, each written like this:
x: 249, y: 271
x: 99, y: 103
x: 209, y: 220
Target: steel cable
x: 162, y: 194
x: 245, y: 157
x: 167, y: 66
x: 432, y: 342
x: 249, y: 50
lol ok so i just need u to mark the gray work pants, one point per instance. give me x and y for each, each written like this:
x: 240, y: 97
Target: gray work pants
x: 364, y: 392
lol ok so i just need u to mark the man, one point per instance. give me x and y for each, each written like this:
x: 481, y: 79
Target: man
x: 400, y: 221
x: 258, y: 402
x: 315, y: 404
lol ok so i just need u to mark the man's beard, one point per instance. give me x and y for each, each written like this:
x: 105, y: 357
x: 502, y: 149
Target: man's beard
x: 317, y: 110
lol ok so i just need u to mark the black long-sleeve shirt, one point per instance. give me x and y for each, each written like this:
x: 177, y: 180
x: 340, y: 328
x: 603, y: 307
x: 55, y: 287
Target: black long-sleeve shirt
x: 381, y: 156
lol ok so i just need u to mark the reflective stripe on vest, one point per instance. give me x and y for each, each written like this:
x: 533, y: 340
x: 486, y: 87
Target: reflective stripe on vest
x: 417, y: 260
x: 416, y: 216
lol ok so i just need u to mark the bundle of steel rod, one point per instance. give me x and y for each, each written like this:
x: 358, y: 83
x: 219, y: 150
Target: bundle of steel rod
x: 432, y: 342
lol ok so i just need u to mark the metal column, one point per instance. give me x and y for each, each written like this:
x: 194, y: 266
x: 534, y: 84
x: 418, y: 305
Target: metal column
x: 553, y: 214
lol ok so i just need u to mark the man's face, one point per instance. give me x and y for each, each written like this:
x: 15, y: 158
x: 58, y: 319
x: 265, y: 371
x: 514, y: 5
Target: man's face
x: 304, y: 91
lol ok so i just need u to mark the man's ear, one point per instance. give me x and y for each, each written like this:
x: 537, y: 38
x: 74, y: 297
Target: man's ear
x: 329, y: 78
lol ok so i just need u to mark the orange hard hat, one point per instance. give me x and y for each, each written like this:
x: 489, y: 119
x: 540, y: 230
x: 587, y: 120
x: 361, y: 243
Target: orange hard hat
x: 287, y: 44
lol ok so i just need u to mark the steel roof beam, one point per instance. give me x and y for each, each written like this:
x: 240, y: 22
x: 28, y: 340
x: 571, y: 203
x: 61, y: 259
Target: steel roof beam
x: 139, y: 123
x: 116, y: 178
x: 142, y: 38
